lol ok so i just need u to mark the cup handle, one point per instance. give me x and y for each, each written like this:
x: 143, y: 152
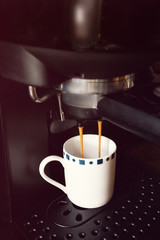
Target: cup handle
x: 42, y: 166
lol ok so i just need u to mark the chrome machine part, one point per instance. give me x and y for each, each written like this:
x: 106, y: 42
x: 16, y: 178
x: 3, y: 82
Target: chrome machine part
x: 80, y: 96
x: 62, y: 116
x: 155, y: 73
x: 85, y: 93
x: 34, y: 95
x: 56, y: 125
x: 96, y: 86
x: 63, y: 124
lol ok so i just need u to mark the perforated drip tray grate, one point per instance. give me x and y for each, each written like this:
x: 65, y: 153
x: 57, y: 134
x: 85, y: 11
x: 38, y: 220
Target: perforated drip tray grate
x: 132, y: 214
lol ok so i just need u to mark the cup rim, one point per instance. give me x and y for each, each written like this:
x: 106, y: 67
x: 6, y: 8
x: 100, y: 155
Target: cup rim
x: 102, y: 157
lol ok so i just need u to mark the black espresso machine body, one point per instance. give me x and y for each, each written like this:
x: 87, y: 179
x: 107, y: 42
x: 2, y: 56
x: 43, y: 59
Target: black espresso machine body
x: 48, y: 50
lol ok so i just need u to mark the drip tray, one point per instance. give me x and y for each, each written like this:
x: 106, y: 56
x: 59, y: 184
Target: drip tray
x: 132, y: 214
x: 65, y: 214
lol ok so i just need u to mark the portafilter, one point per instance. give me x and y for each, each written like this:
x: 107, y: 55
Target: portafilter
x: 80, y: 96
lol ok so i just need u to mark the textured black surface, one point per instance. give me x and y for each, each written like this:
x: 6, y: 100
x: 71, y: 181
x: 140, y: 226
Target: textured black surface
x: 133, y: 213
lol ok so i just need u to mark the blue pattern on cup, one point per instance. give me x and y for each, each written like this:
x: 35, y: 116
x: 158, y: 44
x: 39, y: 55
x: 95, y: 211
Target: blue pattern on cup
x: 99, y: 161
x: 82, y: 162
x: 113, y: 155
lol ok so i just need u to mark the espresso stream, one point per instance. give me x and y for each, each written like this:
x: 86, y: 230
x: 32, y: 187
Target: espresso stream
x: 99, y: 134
x: 81, y: 139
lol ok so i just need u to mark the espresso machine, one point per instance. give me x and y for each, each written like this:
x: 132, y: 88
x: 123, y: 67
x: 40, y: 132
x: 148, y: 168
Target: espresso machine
x: 65, y: 63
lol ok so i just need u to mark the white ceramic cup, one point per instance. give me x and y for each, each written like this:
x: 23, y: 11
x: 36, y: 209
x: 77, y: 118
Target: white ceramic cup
x: 89, y: 180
